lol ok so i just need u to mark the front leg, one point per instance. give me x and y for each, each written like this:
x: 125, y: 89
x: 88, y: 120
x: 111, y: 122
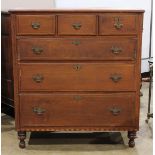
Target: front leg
x: 21, y: 137
x: 131, y: 136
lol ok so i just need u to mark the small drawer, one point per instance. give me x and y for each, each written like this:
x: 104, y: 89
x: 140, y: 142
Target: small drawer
x: 35, y: 24
x: 105, y: 48
x: 77, y: 25
x: 77, y: 77
x: 82, y: 109
x: 110, y: 24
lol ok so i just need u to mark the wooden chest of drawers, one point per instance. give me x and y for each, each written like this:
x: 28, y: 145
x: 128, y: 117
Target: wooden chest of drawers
x: 77, y: 70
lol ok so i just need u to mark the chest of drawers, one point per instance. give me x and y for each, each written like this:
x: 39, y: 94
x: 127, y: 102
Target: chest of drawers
x: 77, y: 70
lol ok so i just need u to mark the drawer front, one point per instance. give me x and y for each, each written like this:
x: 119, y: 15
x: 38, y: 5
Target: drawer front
x: 77, y: 110
x: 117, y: 24
x: 77, y: 77
x: 106, y: 48
x: 35, y: 24
x: 77, y: 25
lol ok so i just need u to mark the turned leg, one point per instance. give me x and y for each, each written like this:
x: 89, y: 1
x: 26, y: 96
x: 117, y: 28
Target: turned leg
x: 131, y: 136
x: 21, y: 137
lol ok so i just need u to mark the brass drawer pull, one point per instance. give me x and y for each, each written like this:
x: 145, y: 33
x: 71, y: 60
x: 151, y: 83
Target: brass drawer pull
x: 116, y: 50
x: 76, y: 42
x: 118, y: 25
x: 77, y: 98
x: 38, y: 110
x: 77, y: 67
x: 37, y: 50
x: 115, y: 77
x: 38, y: 78
x: 35, y: 25
x: 115, y: 111
x: 77, y: 26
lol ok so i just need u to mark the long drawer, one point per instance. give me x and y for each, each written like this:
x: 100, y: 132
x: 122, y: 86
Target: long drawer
x: 82, y: 109
x: 105, y: 48
x: 77, y: 77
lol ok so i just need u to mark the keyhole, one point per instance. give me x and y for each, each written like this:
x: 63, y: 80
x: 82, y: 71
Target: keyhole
x: 77, y: 67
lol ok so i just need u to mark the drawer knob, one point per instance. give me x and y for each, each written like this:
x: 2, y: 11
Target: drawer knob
x: 76, y: 42
x: 38, y: 110
x: 37, y: 50
x: 115, y: 77
x: 116, y: 50
x: 77, y: 26
x: 118, y: 25
x: 38, y: 78
x: 35, y: 25
x: 115, y: 111
x: 77, y: 67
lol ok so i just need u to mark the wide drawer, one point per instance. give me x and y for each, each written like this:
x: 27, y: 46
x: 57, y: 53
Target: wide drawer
x: 77, y: 77
x: 117, y: 109
x: 35, y: 24
x: 117, y: 24
x: 105, y: 48
x: 77, y: 24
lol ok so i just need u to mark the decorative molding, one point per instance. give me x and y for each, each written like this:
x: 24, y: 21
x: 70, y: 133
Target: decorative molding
x: 79, y: 129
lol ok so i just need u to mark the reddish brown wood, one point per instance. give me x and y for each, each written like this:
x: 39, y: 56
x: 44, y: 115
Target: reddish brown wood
x: 84, y: 10
x: 78, y: 128
x: 5, y: 23
x: 127, y: 23
x: 87, y: 24
x: 65, y: 77
x: 77, y: 109
x: 100, y: 48
x: 46, y: 22
x: 6, y: 65
x: 77, y: 63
